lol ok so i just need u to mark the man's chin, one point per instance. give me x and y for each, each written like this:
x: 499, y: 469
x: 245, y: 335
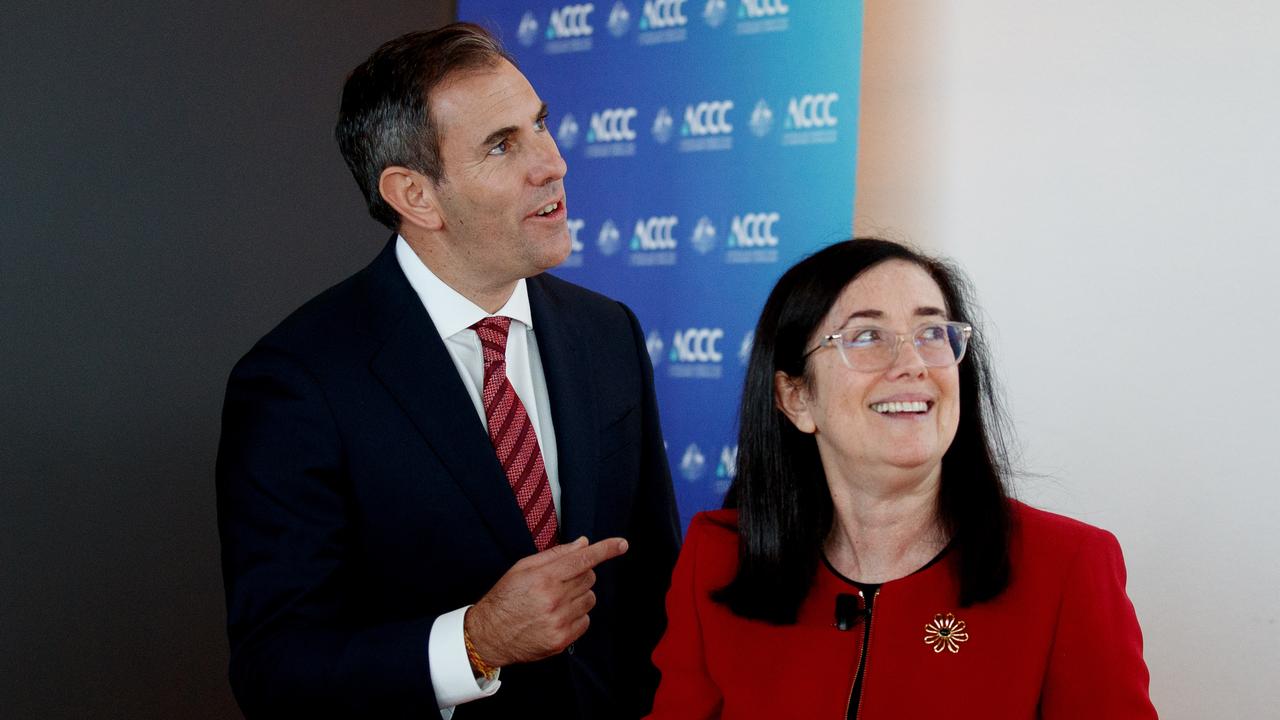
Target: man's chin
x: 554, y: 256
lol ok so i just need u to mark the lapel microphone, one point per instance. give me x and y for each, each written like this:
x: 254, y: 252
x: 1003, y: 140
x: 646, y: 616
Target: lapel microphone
x: 849, y: 610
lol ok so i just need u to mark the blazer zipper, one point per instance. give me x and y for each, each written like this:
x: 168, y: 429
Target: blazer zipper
x: 862, y: 659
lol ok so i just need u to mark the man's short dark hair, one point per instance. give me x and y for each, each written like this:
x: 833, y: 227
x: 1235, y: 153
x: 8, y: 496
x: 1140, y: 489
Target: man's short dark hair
x: 385, y: 118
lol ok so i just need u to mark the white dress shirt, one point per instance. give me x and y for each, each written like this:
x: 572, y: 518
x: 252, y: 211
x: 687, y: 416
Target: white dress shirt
x: 453, y: 315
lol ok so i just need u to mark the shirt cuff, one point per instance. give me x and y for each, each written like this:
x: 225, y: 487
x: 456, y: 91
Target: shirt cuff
x: 451, y: 676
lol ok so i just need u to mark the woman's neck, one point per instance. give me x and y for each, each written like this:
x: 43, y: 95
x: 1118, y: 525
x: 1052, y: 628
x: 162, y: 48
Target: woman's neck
x: 878, y: 535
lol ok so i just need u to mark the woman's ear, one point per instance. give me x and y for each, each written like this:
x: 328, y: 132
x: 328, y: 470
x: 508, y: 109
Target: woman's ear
x: 791, y: 395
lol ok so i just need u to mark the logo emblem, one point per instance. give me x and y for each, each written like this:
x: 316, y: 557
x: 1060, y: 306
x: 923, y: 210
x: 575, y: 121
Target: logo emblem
x: 662, y: 126
x: 655, y: 233
x: 744, y: 350
x: 714, y: 12
x: 528, y: 31
x: 756, y: 9
x: 575, y: 225
x: 609, y: 240
x: 567, y: 134
x: 570, y: 21
x: 811, y: 112
x: 692, y: 462
x: 612, y: 125
x: 761, y: 119
x: 728, y: 467
x: 707, y: 118
x: 754, y: 230
x: 662, y: 14
x: 619, y: 20
x: 694, y: 353
x: 653, y: 343
x: 697, y: 345
x: 704, y: 235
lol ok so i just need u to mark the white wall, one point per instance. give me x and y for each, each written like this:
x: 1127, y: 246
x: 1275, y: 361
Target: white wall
x: 1109, y: 175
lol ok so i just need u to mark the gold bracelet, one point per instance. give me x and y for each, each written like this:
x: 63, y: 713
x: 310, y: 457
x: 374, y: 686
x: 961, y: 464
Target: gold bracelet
x: 486, y: 670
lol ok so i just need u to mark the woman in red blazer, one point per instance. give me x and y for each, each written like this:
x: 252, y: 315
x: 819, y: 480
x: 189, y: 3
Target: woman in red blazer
x: 869, y: 562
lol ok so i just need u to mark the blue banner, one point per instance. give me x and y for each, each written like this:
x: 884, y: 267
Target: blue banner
x: 710, y: 145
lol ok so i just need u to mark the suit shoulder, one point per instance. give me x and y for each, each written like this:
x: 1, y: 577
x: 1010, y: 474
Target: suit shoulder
x: 324, y: 326
x: 714, y: 529
x: 1046, y: 530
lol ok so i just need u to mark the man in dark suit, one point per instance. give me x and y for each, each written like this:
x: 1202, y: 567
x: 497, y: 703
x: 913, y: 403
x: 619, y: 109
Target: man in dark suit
x: 430, y: 473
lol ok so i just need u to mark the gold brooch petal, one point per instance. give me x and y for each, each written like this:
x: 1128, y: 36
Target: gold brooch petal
x: 945, y: 633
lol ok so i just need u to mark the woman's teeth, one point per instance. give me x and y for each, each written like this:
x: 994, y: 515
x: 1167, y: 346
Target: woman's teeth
x: 888, y: 408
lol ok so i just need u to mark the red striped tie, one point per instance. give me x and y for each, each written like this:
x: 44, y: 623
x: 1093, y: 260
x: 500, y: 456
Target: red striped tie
x: 512, y: 435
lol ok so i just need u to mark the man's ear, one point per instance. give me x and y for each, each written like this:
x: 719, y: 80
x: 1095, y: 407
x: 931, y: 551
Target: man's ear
x: 791, y: 395
x: 412, y: 195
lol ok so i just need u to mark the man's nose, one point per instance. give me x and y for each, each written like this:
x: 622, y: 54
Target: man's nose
x: 548, y: 165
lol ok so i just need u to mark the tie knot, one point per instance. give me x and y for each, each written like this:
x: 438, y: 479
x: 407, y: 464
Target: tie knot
x: 492, y: 332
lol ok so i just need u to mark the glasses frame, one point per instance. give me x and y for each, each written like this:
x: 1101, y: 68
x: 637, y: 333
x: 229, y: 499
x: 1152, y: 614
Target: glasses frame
x: 965, y: 330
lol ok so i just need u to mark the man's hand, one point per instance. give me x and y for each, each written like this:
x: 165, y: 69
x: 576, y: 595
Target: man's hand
x: 540, y: 605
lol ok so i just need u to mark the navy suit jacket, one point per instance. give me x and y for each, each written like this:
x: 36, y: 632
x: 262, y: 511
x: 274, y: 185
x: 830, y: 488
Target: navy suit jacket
x: 359, y: 498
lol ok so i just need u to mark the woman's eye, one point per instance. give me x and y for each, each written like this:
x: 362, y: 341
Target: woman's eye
x: 865, y: 336
x: 933, y: 333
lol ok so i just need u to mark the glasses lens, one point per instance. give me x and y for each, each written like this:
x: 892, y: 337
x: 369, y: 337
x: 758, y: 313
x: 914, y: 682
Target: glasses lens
x: 867, y: 349
x: 943, y: 344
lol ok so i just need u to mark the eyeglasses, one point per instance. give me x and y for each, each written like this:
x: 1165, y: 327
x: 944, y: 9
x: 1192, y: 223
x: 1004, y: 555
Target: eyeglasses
x: 872, y: 349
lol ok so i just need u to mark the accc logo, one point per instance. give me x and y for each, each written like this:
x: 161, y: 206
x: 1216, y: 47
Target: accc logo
x: 655, y: 233
x: 812, y: 111
x: 755, y: 230
x: 708, y: 118
x: 697, y: 345
x: 570, y: 21
x: 659, y: 14
x: 612, y: 125
x: 763, y: 8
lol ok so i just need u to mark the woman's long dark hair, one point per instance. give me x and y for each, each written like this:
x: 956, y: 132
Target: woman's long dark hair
x: 780, y: 492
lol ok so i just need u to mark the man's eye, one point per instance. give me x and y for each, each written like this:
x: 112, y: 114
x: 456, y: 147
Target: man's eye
x: 499, y: 149
x: 540, y: 123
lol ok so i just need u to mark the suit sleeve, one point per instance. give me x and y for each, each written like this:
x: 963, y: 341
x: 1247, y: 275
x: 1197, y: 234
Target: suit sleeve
x: 687, y: 691
x: 1096, y: 668
x: 297, y: 649
x: 654, y: 537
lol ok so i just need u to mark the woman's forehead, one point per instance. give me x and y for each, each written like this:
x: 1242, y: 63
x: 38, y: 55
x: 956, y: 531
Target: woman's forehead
x: 894, y: 289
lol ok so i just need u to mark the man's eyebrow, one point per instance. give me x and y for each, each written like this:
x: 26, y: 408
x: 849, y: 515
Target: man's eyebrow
x: 497, y: 135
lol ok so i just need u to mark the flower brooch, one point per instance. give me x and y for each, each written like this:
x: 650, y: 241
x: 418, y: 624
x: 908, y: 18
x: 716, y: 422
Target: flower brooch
x: 945, y: 633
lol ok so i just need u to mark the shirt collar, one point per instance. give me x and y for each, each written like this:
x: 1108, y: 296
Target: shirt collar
x: 449, y: 310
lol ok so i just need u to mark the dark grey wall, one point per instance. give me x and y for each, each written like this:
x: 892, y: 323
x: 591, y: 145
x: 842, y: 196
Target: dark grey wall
x: 169, y: 190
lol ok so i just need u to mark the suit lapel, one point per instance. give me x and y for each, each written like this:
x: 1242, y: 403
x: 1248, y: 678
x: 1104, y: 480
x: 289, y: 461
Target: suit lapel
x: 564, y: 352
x: 416, y: 369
